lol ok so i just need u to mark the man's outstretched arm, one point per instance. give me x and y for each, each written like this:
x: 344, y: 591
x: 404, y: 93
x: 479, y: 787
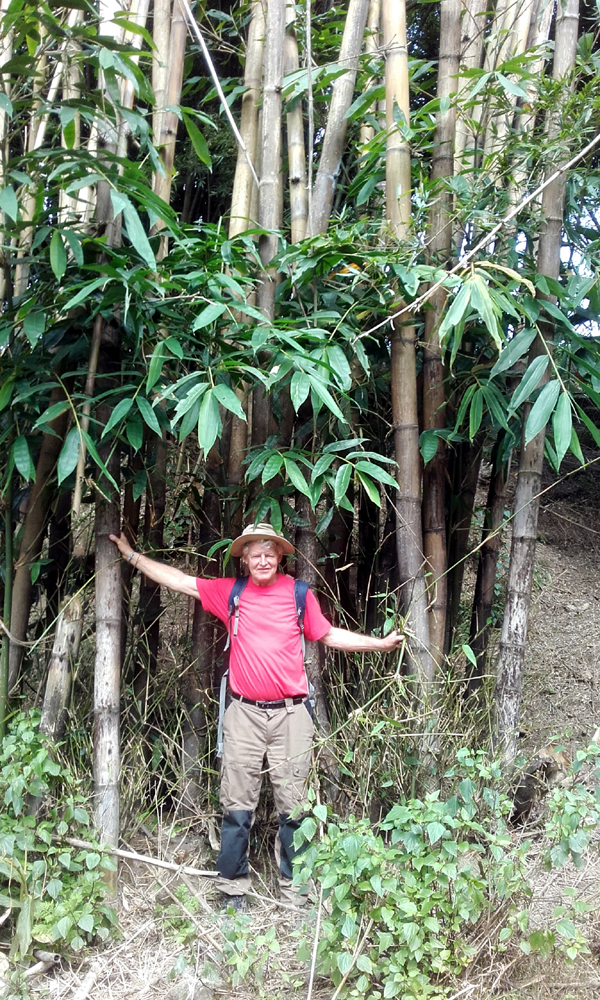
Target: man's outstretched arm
x: 354, y: 642
x: 165, y: 576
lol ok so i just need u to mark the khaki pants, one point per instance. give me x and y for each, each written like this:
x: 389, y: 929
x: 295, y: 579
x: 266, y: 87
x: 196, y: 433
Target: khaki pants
x: 281, y: 737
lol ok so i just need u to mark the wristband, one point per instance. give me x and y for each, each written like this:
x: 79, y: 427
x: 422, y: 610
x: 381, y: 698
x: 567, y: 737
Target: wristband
x: 131, y: 555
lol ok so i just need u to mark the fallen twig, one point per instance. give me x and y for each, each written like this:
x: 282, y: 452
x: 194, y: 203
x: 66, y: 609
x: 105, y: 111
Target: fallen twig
x: 133, y: 856
x: 88, y: 981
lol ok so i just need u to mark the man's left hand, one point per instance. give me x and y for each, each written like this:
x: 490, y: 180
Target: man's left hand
x: 391, y: 641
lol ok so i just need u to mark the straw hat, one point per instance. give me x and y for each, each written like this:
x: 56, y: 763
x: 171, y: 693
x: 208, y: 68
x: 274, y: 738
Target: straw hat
x: 260, y: 532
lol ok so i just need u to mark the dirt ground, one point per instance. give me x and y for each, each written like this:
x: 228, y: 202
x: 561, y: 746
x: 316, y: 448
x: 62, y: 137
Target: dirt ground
x: 561, y: 701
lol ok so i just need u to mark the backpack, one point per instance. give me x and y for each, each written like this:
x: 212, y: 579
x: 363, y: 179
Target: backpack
x: 233, y: 611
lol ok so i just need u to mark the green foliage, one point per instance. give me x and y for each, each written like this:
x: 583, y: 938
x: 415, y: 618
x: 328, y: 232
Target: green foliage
x: 247, y: 954
x: 56, y: 891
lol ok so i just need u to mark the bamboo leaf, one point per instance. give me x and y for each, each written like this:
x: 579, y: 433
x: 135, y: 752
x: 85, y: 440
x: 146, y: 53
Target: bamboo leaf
x: 321, y: 390
x: 208, y: 315
x: 6, y: 392
x: 188, y: 401
x: 174, y: 346
x: 370, y: 488
x: 159, y: 356
x: 456, y: 311
x: 338, y: 363
x: 562, y: 424
x: 481, y: 301
x: 428, y: 445
x: 464, y: 403
x: 272, y: 467
x: 84, y: 292
x: 198, y: 141
x: 22, y: 458
x: 91, y: 447
x: 148, y: 415
x: 299, y: 389
x: 529, y: 382
x: 229, y: 400
x: 296, y: 477
x: 51, y: 413
x: 137, y: 235
x: 34, y: 325
x: 209, y: 421
x: 135, y: 430
x: 121, y: 410
x: 74, y: 245
x: 541, y: 410
x: 69, y: 454
x: 58, y: 255
x: 516, y: 349
x: 475, y: 413
x: 9, y: 203
x: 321, y: 466
x: 342, y: 481
x: 510, y: 86
x: 575, y: 447
x: 496, y: 403
x: 139, y: 483
x: 591, y: 426
x: 376, y: 472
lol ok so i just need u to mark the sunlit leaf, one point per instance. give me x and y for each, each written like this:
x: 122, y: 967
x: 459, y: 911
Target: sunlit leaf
x: 67, y: 460
x: 58, y: 255
x: 209, y: 421
x: 22, y: 458
x: 562, y: 425
x: 541, y: 410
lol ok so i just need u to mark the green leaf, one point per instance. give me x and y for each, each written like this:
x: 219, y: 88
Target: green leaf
x: 9, y: 203
x: 34, y: 325
x: 148, y: 415
x: 320, y: 811
x: 140, y: 481
x: 22, y: 458
x: 159, y: 356
x: 464, y: 403
x: 344, y: 961
x: 208, y: 315
x: 321, y: 466
x: 575, y: 447
x: 296, y: 477
x: 566, y: 928
x: 5, y: 104
x: 84, y: 293
x: 135, y: 430
x: 91, y: 447
x: 370, y: 488
x: 325, y: 396
x: 74, y: 244
x: 482, y: 302
x: 541, y: 410
x: 338, y: 362
x: 529, y: 382
x: 299, y: 389
x: 229, y: 400
x: 510, y: 86
x: 121, y: 410
x: 51, y: 413
x: 428, y: 445
x: 376, y: 472
x: 209, y: 421
x: 6, y: 391
x: 516, y: 349
x: 58, y: 255
x: 86, y: 922
x: 435, y: 831
x: 54, y: 888
x: 198, y: 141
x: 24, y: 925
x: 67, y: 460
x: 562, y: 424
x: 342, y: 481
x: 272, y: 467
x: 174, y: 346
x: 475, y: 413
x: 133, y: 226
x: 456, y: 311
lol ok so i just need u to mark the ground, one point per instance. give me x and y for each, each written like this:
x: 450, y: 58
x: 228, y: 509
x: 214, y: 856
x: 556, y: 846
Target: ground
x: 163, y: 950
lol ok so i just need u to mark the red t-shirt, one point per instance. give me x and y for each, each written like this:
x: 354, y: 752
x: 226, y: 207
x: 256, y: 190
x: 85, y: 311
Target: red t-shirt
x: 265, y: 661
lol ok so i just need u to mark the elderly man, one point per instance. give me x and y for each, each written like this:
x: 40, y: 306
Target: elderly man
x: 269, y: 714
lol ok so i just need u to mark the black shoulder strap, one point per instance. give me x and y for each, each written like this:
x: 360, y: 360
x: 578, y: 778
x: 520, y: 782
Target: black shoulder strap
x: 233, y: 606
x: 300, y: 592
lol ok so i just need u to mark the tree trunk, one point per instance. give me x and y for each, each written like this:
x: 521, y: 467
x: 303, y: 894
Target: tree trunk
x: 59, y: 554
x: 491, y: 538
x: 341, y: 98
x: 149, y: 602
x: 243, y: 182
x: 64, y: 653
x: 167, y: 119
x: 372, y: 40
x: 8, y: 578
x: 434, y: 393
x: 108, y: 627
x: 295, y: 139
x: 32, y: 536
x: 511, y: 659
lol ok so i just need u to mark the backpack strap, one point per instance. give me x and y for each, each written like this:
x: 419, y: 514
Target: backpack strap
x: 300, y: 592
x: 233, y: 607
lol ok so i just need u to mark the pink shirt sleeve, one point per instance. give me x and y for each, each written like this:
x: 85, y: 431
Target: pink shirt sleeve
x: 315, y: 622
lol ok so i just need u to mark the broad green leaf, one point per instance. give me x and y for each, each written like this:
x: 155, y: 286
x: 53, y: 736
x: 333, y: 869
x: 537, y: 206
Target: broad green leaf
x: 470, y: 655
x: 52, y: 413
x: 515, y: 349
x: 5, y: 104
x: 121, y: 410
x: 148, y: 414
x: 345, y: 961
x: 159, y: 356
x: 74, y: 244
x: 229, y: 400
x: 91, y: 447
x: 135, y: 430
x: 299, y: 389
x: 342, y: 481
x: 137, y: 235
x: 428, y: 445
x: 9, y: 203
x: 208, y: 315
x: 86, y: 922
x: 510, y: 86
x: 209, y: 422
x: 84, y: 292
x: 340, y: 366
x: 321, y: 390
x: 562, y: 424
x: 370, y: 488
x: 464, y: 403
x: 174, y: 346
x: 456, y: 311
x: 6, y: 391
x: 140, y: 481
x: 296, y: 477
x: 24, y: 924
x: 198, y: 141
x: 58, y: 255
x: 188, y: 401
x: 82, y: 182
x: 67, y: 460
x: 321, y: 466
x: 34, y: 325
x: 482, y: 303
x: 529, y: 382
x: 576, y: 447
x: 496, y: 403
x: 272, y: 467
x: 376, y: 472
x: 541, y: 410
x: 475, y: 413
x: 22, y: 458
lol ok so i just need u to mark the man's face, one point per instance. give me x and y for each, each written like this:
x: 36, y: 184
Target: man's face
x: 262, y: 562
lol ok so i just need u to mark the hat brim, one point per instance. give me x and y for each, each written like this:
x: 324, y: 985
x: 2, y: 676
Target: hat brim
x: 237, y: 545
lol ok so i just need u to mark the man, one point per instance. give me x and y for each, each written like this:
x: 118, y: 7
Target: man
x: 269, y: 713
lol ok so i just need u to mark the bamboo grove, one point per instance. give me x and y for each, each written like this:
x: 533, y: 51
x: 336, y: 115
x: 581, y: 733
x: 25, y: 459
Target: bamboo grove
x: 313, y: 263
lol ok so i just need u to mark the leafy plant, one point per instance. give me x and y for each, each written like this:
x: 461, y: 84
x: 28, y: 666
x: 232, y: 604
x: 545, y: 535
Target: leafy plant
x: 56, y: 891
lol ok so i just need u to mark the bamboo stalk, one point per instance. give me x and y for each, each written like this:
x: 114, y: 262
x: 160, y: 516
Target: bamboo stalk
x: 295, y: 138
x: 397, y: 155
x: 84, y: 420
x: 167, y: 115
x: 64, y: 653
x: 8, y: 579
x: 243, y: 182
x: 6, y: 47
x: 341, y: 98
x: 511, y: 657
x: 371, y: 46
